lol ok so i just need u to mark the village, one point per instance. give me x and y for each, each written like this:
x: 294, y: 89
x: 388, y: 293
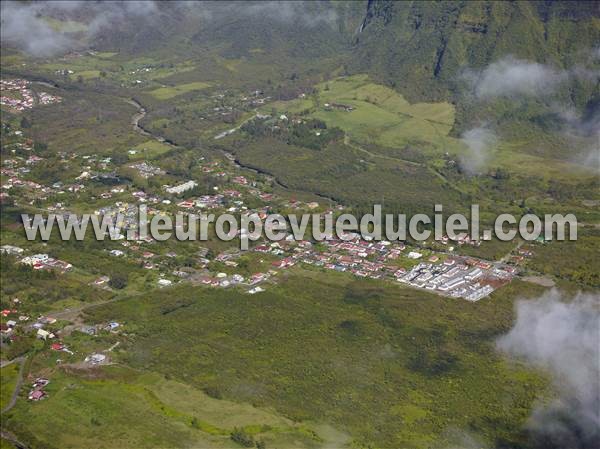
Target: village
x: 97, y: 183
x: 443, y: 273
x: 94, y: 185
x: 18, y: 95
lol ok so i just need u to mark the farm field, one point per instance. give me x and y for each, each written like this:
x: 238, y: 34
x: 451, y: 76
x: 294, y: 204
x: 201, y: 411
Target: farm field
x: 380, y: 115
x: 165, y: 93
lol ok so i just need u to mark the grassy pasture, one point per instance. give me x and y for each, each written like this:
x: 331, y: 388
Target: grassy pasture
x: 116, y: 407
x: 382, y: 116
x: 149, y: 150
x: 166, y: 93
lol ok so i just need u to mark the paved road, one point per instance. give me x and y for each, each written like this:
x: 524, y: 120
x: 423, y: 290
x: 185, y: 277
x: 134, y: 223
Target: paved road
x: 13, y: 439
x: 15, y: 394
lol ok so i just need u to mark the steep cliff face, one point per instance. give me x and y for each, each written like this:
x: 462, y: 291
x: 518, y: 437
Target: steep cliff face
x: 421, y: 48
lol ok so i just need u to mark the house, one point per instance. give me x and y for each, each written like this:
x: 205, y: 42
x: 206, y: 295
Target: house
x: 43, y: 334
x: 40, y: 382
x: 36, y: 395
x: 90, y: 330
x: 101, y: 280
x: 181, y: 187
x: 36, y: 259
x: 11, y: 250
x: 111, y: 326
x: 279, y: 264
x: 95, y: 359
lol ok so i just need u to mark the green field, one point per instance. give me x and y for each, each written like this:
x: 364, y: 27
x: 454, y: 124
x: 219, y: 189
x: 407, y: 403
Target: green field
x: 150, y: 149
x: 88, y: 74
x: 381, y: 116
x: 166, y: 93
x: 116, y: 407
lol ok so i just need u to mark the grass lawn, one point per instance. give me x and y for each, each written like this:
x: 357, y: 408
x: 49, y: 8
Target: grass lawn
x: 165, y: 93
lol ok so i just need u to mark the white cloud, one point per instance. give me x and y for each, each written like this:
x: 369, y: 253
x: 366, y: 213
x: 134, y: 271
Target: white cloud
x: 564, y: 338
x: 510, y: 77
x: 480, y: 142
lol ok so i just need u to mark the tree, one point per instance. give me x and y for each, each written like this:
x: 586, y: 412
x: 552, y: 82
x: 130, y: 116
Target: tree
x: 119, y: 157
x: 241, y: 437
x: 25, y: 123
x: 118, y: 281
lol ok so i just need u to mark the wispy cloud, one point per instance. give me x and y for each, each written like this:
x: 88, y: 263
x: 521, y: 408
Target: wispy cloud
x: 564, y: 338
x: 23, y: 27
x: 24, y: 24
x: 510, y: 76
x: 480, y: 142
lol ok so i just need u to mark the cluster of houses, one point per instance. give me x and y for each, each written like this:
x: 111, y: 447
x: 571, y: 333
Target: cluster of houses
x: 456, y: 276
x: 180, y: 188
x: 522, y: 254
x: 16, y: 169
x: 468, y: 278
x: 37, y: 392
x: 8, y: 328
x: 46, y: 98
x: 40, y: 261
x: 23, y: 97
x: 45, y: 262
x: 338, y: 107
x: 377, y: 260
x: 147, y: 170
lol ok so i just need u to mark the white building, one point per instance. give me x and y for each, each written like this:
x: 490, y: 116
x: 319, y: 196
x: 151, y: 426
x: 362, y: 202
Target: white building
x: 182, y: 187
